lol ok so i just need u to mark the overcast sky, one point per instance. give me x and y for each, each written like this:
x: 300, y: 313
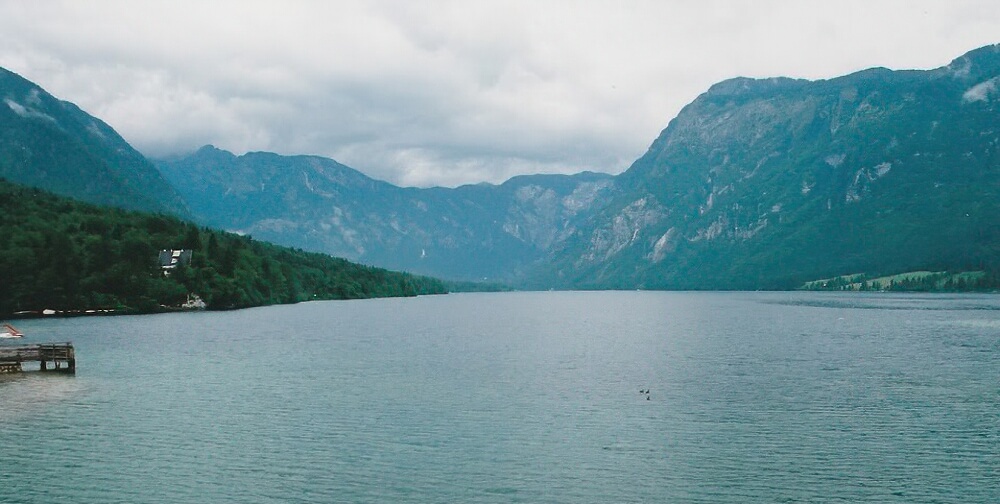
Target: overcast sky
x: 444, y: 93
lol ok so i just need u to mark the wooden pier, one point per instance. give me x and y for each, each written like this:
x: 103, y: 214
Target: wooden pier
x: 61, y: 356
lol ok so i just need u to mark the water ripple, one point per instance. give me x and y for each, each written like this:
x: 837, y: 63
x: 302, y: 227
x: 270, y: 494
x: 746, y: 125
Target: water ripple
x: 519, y: 397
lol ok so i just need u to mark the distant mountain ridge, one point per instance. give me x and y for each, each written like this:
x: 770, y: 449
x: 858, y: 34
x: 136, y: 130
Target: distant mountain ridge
x: 471, y: 232
x: 53, y: 145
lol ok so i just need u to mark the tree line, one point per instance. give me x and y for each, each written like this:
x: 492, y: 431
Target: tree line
x: 940, y: 281
x: 64, y: 255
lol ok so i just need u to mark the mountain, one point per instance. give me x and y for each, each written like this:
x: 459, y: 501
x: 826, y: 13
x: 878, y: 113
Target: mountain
x: 473, y: 232
x: 53, y: 145
x: 756, y: 184
x: 771, y: 183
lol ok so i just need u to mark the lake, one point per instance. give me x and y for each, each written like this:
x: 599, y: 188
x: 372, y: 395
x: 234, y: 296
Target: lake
x: 519, y: 397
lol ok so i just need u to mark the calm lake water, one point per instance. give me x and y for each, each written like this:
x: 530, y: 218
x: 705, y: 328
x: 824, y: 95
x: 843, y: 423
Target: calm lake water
x: 519, y: 397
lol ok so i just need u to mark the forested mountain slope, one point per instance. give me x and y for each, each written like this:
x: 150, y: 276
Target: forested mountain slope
x: 61, y: 254
x: 53, y: 145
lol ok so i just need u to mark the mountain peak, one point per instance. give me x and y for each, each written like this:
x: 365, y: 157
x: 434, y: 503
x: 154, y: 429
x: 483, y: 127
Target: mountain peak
x: 212, y: 152
x: 208, y: 148
x: 977, y: 63
x: 986, y: 53
x: 742, y: 86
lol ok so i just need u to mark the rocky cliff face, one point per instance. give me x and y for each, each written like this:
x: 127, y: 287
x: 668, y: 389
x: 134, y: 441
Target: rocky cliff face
x: 470, y: 232
x: 765, y: 183
x: 53, y: 145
